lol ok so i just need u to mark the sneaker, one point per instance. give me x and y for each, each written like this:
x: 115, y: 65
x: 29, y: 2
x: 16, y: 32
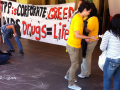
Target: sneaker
x: 11, y: 50
x: 21, y: 52
x: 81, y: 76
x: 74, y: 86
x: 68, y: 78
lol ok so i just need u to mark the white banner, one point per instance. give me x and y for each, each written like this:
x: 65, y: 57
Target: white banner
x: 45, y: 23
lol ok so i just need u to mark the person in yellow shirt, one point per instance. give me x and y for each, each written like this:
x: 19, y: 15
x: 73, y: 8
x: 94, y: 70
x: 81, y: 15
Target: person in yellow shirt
x: 76, y: 11
x: 92, y: 29
x: 74, y: 43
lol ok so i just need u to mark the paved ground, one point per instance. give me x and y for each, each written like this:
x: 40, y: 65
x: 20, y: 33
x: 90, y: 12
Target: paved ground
x: 43, y: 68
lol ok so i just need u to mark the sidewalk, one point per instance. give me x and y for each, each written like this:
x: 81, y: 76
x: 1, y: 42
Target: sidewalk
x: 43, y: 67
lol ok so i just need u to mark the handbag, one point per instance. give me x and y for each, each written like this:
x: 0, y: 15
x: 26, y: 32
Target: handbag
x: 102, y: 59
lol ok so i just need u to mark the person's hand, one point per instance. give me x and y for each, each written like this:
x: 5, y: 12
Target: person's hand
x: 15, y: 34
x: 87, y: 40
x: 93, y: 37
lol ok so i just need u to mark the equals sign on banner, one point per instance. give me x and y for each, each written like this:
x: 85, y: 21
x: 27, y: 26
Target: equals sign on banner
x: 49, y: 31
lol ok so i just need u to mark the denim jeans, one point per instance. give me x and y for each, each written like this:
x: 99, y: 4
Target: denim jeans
x: 4, y: 58
x: 16, y: 38
x: 112, y: 68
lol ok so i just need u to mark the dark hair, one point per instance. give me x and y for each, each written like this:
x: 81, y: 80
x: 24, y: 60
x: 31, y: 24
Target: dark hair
x: 93, y: 10
x: 115, y: 25
x: 17, y: 26
x: 84, y: 5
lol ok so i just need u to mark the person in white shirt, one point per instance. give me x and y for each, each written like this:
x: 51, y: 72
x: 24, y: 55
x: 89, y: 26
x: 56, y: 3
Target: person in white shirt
x: 111, y: 43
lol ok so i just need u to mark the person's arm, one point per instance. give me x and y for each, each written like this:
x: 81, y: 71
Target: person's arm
x: 87, y: 30
x: 13, y: 28
x: 78, y: 28
x: 77, y: 35
x: 90, y: 26
x: 105, y: 40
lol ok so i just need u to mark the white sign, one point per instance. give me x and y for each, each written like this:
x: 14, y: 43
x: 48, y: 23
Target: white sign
x: 45, y: 23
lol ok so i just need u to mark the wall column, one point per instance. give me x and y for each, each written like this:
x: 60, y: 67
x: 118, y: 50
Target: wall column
x: 97, y: 4
x: 104, y: 15
x: 43, y: 2
x: 52, y: 2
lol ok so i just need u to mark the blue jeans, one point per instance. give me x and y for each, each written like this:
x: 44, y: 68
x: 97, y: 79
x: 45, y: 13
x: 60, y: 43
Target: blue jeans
x: 16, y: 38
x: 112, y: 68
x: 4, y: 58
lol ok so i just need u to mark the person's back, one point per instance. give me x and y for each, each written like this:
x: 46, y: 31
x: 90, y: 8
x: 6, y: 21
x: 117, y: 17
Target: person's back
x: 111, y: 43
x: 8, y: 30
x: 93, y: 25
x: 4, y: 29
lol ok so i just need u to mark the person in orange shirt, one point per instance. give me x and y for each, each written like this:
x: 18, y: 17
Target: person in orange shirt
x: 74, y: 43
x: 93, y: 29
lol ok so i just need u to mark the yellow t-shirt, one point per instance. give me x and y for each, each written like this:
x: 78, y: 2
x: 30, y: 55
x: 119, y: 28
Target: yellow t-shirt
x: 85, y: 18
x: 76, y: 25
x: 93, y: 26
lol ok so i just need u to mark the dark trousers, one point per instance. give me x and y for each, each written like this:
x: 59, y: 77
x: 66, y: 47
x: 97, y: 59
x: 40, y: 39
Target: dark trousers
x: 4, y: 58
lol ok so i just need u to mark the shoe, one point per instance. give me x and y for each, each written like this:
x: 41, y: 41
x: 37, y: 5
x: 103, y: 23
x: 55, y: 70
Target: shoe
x: 74, y: 86
x: 68, y: 78
x: 81, y: 76
x: 11, y: 50
x: 21, y: 52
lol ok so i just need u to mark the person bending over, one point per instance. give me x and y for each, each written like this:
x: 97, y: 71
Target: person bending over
x: 7, y: 29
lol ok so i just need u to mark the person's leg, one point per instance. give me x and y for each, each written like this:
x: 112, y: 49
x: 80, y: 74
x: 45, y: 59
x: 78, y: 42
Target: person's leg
x: 79, y: 58
x: 7, y: 41
x: 109, y: 70
x: 74, y: 57
x: 18, y: 42
x: 67, y: 74
x: 75, y: 62
x: 86, y: 64
x: 4, y: 58
x: 116, y: 75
